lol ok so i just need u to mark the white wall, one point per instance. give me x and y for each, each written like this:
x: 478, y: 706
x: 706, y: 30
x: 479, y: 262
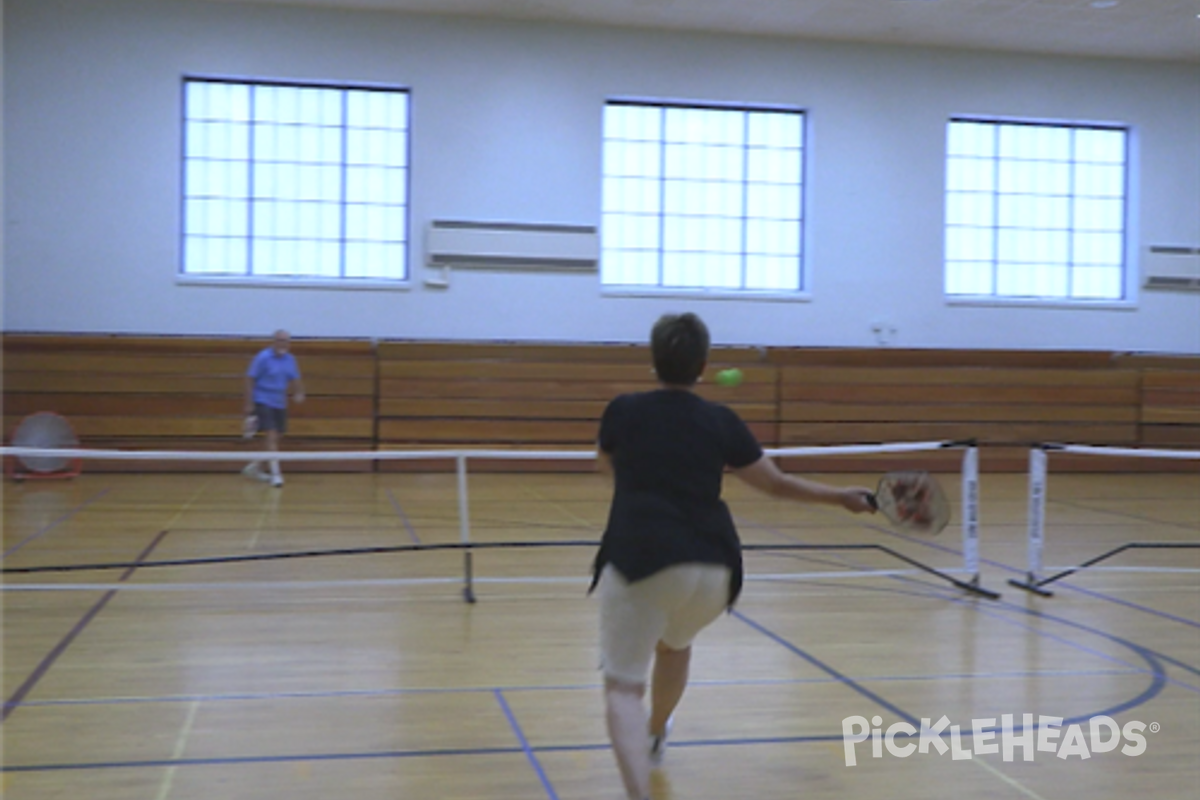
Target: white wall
x: 506, y: 123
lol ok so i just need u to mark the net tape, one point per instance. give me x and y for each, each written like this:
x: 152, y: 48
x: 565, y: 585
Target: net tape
x: 418, y: 455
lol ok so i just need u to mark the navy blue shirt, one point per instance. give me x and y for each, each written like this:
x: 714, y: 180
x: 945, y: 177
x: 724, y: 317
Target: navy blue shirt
x: 669, y: 450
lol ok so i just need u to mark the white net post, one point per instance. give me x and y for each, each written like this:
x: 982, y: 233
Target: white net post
x: 970, y: 511
x: 464, y: 527
x: 1037, y: 512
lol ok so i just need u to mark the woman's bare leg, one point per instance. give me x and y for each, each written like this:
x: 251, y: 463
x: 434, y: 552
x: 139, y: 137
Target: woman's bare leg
x: 667, y: 685
x: 626, y: 717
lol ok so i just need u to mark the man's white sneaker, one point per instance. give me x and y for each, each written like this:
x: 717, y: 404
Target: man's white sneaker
x: 253, y: 470
x: 277, y: 480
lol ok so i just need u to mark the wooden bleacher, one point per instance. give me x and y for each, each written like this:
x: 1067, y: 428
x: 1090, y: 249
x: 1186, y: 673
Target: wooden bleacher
x: 530, y: 397
x: 1169, y: 401
x: 168, y: 393
x: 1004, y: 400
x: 185, y: 393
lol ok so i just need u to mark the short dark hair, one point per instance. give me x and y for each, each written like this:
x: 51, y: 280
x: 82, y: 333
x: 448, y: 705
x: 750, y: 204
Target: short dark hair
x: 679, y: 344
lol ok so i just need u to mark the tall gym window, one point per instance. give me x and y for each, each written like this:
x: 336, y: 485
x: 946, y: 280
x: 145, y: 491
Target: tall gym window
x: 702, y: 198
x: 1035, y: 210
x: 293, y: 182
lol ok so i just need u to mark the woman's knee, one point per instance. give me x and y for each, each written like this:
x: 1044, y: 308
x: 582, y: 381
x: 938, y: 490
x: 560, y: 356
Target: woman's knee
x: 613, y: 685
x: 663, y: 649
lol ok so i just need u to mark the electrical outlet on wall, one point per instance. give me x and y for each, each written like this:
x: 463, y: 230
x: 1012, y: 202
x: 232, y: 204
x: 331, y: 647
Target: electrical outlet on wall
x: 884, y: 332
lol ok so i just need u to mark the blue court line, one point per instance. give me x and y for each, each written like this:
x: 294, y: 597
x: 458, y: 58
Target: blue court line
x: 322, y: 695
x: 13, y: 702
x: 940, y: 591
x: 1175, y: 661
x: 1001, y: 565
x: 965, y: 734
x: 275, y: 759
x: 990, y: 610
x: 477, y: 751
x: 1158, y: 681
x: 1158, y: 673
x: 1146, y: 695
x: 1159, y: 678
x: 930, y: 590
x: 1065, y: 584
x: 1151, y: 656
x: 403, y: 517
x: 51, y: 525
x: 1127, y: 603
x: 525, y: 748
x: 1127, y: 515
x: 739, y: 742
x: 821, y: 665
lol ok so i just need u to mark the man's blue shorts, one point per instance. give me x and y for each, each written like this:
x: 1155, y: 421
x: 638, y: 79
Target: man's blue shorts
x: 271, y: 418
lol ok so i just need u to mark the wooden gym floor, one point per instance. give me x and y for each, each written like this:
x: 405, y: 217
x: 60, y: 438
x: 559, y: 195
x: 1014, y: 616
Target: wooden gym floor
x: 368, y: 676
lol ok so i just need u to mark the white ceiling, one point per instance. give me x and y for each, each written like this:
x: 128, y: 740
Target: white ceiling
x: 1149, y: 29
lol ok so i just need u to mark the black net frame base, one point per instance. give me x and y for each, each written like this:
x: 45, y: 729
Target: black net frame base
x: 1032, y: 584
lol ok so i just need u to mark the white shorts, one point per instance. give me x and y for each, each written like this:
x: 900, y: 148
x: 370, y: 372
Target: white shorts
x: 671, y: 606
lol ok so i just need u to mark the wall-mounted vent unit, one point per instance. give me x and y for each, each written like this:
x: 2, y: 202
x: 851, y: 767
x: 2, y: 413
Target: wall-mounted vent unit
x: 511, y: 245
x: 1171, y: 267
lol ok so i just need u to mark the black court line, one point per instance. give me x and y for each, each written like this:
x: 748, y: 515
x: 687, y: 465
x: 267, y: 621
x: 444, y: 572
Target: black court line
x: 1158, y: 674
x: 530, y: 751
x: 1066, y: 584
x: 936, y: 591
x: 833, y: 560
x: 1158, y: 681
x: 403, y: 517
x: 1081, y: 506
x: 1152, y: 657
x: 51, y: 525
x: 1145, y: 653
x: 25, y: 688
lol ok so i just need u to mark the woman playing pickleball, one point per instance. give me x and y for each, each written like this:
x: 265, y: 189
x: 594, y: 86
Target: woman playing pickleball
x: 670, y: 559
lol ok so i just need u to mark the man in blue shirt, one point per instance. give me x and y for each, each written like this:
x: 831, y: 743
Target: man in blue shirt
x: 271, y: 374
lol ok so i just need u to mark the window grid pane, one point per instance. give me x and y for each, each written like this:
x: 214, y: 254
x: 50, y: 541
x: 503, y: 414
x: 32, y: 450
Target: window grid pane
x: 293, y: 181
x: 702, y: 198
x: 1035, y: 210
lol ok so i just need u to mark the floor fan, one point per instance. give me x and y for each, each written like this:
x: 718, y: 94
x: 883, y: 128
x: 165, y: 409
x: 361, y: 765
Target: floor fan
x: 44, y: 430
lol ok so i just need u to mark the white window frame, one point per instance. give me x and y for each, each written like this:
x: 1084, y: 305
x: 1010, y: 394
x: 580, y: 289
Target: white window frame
x: 659, y: 209
x: 320, y: 210
x: 1069, y: 232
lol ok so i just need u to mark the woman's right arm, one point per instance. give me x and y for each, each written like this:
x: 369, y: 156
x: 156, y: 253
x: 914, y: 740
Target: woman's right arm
x: 765, y: 476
